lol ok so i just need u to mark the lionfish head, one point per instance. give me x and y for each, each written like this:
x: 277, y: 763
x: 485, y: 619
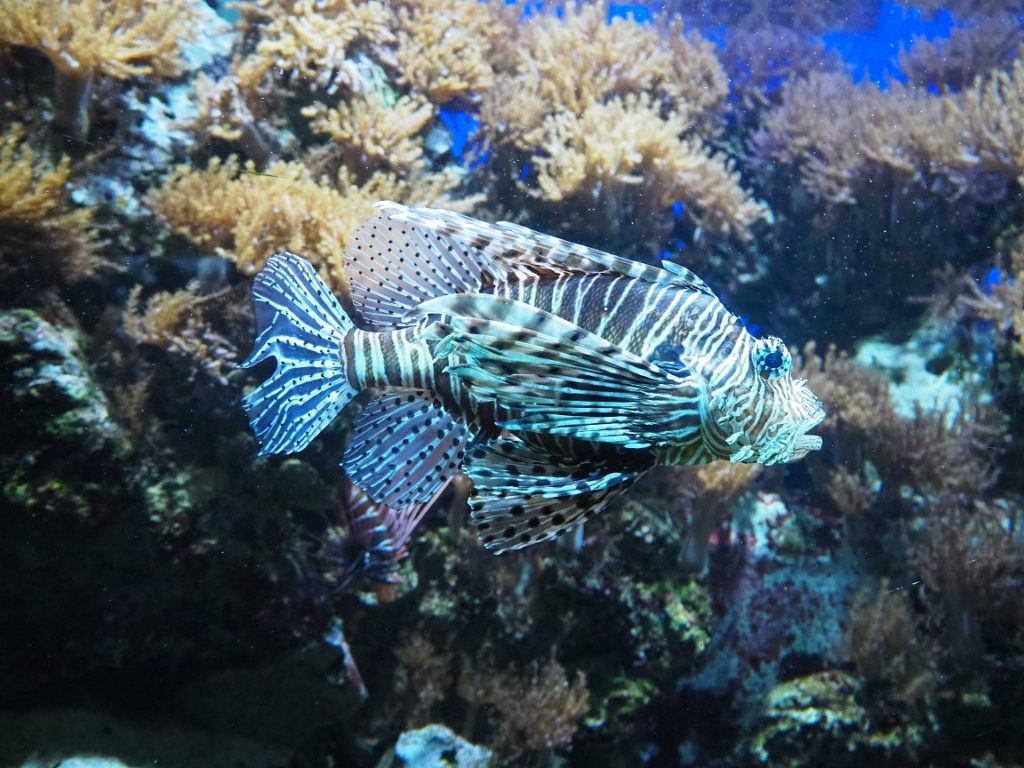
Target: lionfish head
x: 768, y: 420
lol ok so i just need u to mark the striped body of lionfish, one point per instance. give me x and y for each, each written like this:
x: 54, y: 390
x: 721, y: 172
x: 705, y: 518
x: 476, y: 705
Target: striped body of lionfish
x: 367, y: 543
x: 551, y: 374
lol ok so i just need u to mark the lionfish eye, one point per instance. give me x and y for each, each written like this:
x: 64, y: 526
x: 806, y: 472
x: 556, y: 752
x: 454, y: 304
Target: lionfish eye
x: 772, y: 359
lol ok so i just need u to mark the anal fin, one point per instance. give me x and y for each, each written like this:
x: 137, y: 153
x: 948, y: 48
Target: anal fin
x: 405, y: 447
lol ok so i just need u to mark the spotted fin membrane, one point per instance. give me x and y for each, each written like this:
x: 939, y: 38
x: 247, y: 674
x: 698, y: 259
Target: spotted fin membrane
x: 405, y: 447
x: 405, y: 256
x: 523, y: 495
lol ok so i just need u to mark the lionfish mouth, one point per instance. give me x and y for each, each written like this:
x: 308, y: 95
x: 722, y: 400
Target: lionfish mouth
x: 804, y: 443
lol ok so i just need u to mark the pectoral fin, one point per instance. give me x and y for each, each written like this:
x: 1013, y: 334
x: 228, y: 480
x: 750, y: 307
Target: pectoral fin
x: 523, y: 495
x: 550, y: 375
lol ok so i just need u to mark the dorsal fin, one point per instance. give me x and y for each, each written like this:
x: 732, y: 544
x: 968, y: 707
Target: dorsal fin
x: 404, y: 256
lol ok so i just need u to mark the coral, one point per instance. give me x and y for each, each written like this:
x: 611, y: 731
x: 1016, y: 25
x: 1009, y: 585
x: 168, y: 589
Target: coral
x: 993, y: 111
x: 842, y: 136
x: 1002, y: 304
x: 700, y: 498
x: 246, y: 215
x: 623, y: 156
x: 759, y: 58
x: 116, y: 38
x: 972, y: 556
x: 40, y: 231
x: 430, y: 675
x: 854, y: 397
x: 936, y: 452
x: 821, y: 719
x: 569, y: 63
x: 538, y: 707
x: 616, y: 115
x: 176, y: 321
x: 224, y: 111
x: 806, y: 16
x: 444, y: 48
x: 884, y: 642
x: 948, y: 451
x: 309, y: 40
x: 373, y: 135
x: 975, y: 47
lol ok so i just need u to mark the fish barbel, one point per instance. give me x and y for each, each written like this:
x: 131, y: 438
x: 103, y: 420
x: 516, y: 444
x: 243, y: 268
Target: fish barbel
x: 553, y: 375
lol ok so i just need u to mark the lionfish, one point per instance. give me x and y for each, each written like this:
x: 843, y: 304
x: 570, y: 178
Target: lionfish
x: 369, y: 544
x: 553, y: 375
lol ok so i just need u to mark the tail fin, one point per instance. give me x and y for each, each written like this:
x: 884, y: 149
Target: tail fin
x: 301, y: 324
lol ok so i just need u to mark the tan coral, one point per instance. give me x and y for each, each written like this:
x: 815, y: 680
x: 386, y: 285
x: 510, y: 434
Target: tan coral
x: 844, y: 137
x: 42, y: 231
x: 540, y: 709
x: 312, y: 40
x: 616, y: 118
x: 974, y: 47
x: 624, y: 146
x: 573, y: 62
x: 83, y: 39
x: 444, y: 48
x: 224, y: 111
x: 173, y: 320
x: 372, y: 134
x: 246, y: 215
x: 883, y: 641
x: 1003, y: 304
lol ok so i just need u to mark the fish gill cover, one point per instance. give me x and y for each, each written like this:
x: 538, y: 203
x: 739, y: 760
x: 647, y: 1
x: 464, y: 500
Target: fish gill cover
x: 846, y: 177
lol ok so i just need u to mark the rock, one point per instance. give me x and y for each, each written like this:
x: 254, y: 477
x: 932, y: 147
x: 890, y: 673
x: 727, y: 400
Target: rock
x: 64, y: 454
x: 436, y: 746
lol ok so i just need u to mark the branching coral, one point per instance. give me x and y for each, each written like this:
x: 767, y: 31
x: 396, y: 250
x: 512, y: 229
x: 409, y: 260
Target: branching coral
x: 224, y: 112
x: 883, y: 641
x: 803, y: 15
x: 974, y: 48
x: 539, y: 708
x: 844, y: 137
x: 759, y: 58
x: 573, y: 62
x: 372, y: 135
x: 444, y: 48
x: 614, y: 114
x: 622, y: 155
x: 1003, y: 303
x: 84, y: 39
x: 933, y: 452
x: 430, y: 675
x: 39, y: 230
x: 175, y: 321
x: 993, y: 110
x: 246, y: 216
x: 854, y: 398
x: 701, y: 498
x: 312, y: 40
x: 972, y: 556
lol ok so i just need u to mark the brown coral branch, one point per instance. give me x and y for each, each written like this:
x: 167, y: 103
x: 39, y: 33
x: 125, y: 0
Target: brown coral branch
x: 116, y: 38
x: 39, y: 229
